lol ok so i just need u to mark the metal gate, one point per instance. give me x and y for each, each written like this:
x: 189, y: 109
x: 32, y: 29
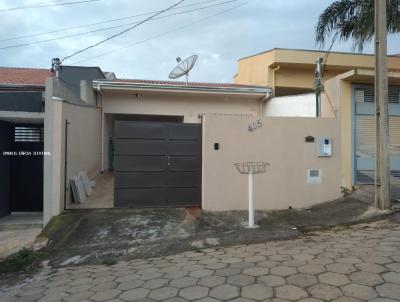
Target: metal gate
x: 157, y: 164
x: 364, y: 143
x: 26, y: 175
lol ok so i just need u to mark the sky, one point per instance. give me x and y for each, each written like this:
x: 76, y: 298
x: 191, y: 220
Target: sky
x: 220, y: 32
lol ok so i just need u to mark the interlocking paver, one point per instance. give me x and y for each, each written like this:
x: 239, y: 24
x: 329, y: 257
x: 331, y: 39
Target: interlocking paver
x: 257, y: 292
x: 212, y: 281
x: 365, y: 278
x: 194, y: 292
x: 290, y: 292
x: 350, y: 265
x: 134, y: 294
x: 358, y: 291
x: 283, y: 270
x: 183, y: 282
x: 312, y: 269
x: 333, y: 279
x: 302, y: 280
x: 324, y: 292
x: 163, y: 293
x: 389, y: 290
x: 105, y: 295
x: 271, y: 280
x: 256, y: 271
x: 224, y: 292
x: 241, y: 280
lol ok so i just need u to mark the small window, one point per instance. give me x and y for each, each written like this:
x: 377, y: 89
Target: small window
x: 28, y: 134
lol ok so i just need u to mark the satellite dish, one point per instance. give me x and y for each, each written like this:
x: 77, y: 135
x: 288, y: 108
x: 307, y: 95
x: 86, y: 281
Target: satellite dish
x: 183, y: 68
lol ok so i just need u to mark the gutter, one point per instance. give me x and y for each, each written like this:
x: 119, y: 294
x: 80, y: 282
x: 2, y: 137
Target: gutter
x: 135, y: 86
x: 21, y: 87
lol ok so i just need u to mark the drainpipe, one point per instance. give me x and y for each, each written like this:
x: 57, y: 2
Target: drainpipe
x: 262, y: 103
x: 102, y: 131
x: 273, y: 77
x: 65, y: 163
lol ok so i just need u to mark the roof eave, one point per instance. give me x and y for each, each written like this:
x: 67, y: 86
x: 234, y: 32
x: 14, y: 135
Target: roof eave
x: 8, y: 86
x: 179, y: 88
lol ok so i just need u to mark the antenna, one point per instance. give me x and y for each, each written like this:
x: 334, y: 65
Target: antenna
x: 183, y: 68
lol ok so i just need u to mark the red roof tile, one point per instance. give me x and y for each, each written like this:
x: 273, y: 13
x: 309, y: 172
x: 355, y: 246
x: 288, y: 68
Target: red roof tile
x: 179, y: 83
x: 24, y: 76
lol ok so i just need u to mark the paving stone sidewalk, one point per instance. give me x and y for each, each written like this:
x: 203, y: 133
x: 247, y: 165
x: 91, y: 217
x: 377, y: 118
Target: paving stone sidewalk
x: 360, y: 263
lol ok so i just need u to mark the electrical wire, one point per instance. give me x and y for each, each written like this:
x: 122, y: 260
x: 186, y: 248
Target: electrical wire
x: 327, y: 55
x: 102, y: 22
x: 112, y: 27
x: 39, y: 5
x: 122, y: 32
x: 160, y: 35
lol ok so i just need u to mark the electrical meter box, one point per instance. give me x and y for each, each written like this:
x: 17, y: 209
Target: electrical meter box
x: 324, y: 146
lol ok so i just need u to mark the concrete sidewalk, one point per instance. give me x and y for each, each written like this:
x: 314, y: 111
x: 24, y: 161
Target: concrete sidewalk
x: 19, y: 230
x: 96, y: 236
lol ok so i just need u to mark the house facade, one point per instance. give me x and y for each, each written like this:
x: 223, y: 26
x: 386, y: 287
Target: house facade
x: 348, y: 95
x: 23, y: 130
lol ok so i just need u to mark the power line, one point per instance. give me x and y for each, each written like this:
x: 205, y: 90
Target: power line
x: 42, y: 4
x: 101, y: 22
x: 122, y: 32
x: 160, y: 35
x: 112, y: 27
x: 327, y: 54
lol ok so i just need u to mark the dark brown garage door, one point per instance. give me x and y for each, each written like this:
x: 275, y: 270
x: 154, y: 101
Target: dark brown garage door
x: 157, y: 164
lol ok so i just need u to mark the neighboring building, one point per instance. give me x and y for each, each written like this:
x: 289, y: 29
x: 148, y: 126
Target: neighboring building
x: 349, y: 96
x: 22, y: 131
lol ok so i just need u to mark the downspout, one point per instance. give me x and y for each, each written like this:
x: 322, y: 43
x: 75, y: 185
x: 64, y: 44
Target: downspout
x: 102, y: 130
x: 263, y: 100
x: 65, y: 162
x: 273, y: 78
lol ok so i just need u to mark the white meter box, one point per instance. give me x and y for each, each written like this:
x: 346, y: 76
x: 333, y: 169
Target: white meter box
x: 324, y: 146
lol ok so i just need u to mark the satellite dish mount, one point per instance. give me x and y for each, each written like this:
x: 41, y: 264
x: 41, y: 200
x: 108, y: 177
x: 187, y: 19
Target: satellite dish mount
x: 183, y: 68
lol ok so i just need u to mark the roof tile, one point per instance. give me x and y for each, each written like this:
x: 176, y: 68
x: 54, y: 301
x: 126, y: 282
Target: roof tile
x: 24, y: 76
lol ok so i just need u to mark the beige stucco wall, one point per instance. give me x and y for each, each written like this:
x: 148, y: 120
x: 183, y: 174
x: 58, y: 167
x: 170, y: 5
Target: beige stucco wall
x: 188, y: 106
x: 83, y: 146
x: 295, y: 69
x: 281, y: 142
x: 175, y: 104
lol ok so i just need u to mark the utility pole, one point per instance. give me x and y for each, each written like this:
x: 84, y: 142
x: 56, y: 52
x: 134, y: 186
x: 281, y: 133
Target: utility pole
x: 382, y: 166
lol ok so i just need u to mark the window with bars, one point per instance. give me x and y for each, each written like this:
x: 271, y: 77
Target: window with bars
x: 367, y: 95
x: 28, y: 134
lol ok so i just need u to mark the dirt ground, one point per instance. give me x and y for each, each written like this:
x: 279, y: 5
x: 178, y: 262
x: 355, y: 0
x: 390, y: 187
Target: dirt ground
x: 99, y: 236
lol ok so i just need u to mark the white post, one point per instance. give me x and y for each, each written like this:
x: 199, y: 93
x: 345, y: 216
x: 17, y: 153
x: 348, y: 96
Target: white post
x: 251, y: 201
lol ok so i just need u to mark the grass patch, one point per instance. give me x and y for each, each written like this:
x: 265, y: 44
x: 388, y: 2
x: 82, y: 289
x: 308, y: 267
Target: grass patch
x: 109, y: 260
x: 196, y: 249
x: 25, y: 260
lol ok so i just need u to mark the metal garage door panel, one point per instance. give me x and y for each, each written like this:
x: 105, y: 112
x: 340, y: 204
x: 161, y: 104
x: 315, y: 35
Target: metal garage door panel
x: 184, y: 147
x: 140, y: 163
x: 184, y: 132
x: 151, y: 197
x: 125, y: 129
x: 140, y: 180
x: 183, y: 179
x: 184, y: 163
x: 140, y: 147
x: 183, y: 196
x: 157, y: 164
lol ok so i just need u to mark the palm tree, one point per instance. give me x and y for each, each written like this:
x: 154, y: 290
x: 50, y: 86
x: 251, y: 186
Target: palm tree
x: 354, y: 20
